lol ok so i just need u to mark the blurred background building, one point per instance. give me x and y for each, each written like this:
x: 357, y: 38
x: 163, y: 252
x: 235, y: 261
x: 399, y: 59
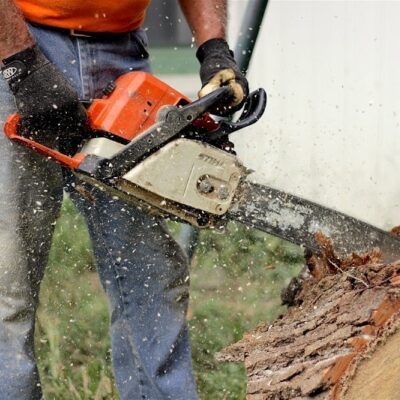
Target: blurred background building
x: 331, y: 131
x: 166, y: 25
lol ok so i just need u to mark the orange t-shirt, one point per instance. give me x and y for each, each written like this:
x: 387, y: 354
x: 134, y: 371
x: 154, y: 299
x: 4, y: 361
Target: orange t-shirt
x: 86, y: 15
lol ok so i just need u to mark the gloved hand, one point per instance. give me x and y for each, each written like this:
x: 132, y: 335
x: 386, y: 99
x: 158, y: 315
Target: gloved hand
x: 218, y: 68
x: 49, y: 106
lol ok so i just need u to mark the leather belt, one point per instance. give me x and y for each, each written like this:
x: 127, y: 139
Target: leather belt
x: 82, y: 34
x: 76, y: 33
x: 94, y: 35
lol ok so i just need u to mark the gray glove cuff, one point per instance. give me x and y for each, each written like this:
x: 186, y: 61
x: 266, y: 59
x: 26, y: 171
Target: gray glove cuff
x: 20, y: 65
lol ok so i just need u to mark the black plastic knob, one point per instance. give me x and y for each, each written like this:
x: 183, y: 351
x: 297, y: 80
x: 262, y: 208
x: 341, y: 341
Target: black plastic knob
x: 109, y: 88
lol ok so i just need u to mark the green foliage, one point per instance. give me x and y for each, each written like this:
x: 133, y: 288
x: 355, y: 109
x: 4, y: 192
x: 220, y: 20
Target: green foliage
x: 174, y: 60
x: 236, y: 278
x: 240, y: 249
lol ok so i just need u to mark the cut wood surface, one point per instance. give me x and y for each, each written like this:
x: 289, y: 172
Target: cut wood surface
x: 339, y: 341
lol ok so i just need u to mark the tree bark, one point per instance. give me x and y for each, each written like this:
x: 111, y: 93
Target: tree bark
x: 339, y: 341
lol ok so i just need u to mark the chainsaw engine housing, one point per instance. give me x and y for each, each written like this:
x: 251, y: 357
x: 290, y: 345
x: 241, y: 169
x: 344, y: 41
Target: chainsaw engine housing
x: 131, y: 104
x: 183, y: 172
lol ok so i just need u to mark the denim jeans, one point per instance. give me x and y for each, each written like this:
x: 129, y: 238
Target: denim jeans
x: 142, y: 269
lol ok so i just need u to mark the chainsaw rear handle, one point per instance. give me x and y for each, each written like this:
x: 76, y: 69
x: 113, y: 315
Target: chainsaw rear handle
x: 11, y: 131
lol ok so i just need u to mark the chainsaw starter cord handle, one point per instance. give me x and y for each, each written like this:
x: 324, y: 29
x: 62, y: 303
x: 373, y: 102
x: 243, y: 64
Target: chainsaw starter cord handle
x: 45, y: 100
x: 218, y: 68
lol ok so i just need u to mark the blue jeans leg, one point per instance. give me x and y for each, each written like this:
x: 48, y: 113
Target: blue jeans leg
x: 143, y: 270
x: 145, y: 275
x: 30, y: 199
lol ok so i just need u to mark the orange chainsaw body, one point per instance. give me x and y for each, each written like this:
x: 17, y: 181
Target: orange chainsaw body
x: 130, y: 106
x: 133, y: 105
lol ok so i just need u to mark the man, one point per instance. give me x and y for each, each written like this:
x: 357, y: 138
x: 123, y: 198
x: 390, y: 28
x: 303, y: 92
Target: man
x: 54, y: 53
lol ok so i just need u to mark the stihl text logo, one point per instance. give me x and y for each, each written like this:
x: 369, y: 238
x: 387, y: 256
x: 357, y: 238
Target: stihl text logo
x: 211, y: 160
x: 9, y: 72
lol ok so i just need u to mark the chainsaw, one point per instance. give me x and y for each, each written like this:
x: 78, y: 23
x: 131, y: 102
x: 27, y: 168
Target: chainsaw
x: 154, y: 147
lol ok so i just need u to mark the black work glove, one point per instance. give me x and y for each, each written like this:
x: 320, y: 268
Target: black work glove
x: 218, y: 68
x: 49, y: 106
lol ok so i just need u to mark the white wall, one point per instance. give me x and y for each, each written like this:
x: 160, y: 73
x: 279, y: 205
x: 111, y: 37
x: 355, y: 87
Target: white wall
x: 331, y: 132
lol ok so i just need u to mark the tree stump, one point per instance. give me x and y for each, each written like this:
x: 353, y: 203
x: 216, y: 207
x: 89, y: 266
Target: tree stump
x: 340, y: 340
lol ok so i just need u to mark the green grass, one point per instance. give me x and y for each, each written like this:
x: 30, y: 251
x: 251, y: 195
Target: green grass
x: 236, y: 278
x: 72, y: 341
